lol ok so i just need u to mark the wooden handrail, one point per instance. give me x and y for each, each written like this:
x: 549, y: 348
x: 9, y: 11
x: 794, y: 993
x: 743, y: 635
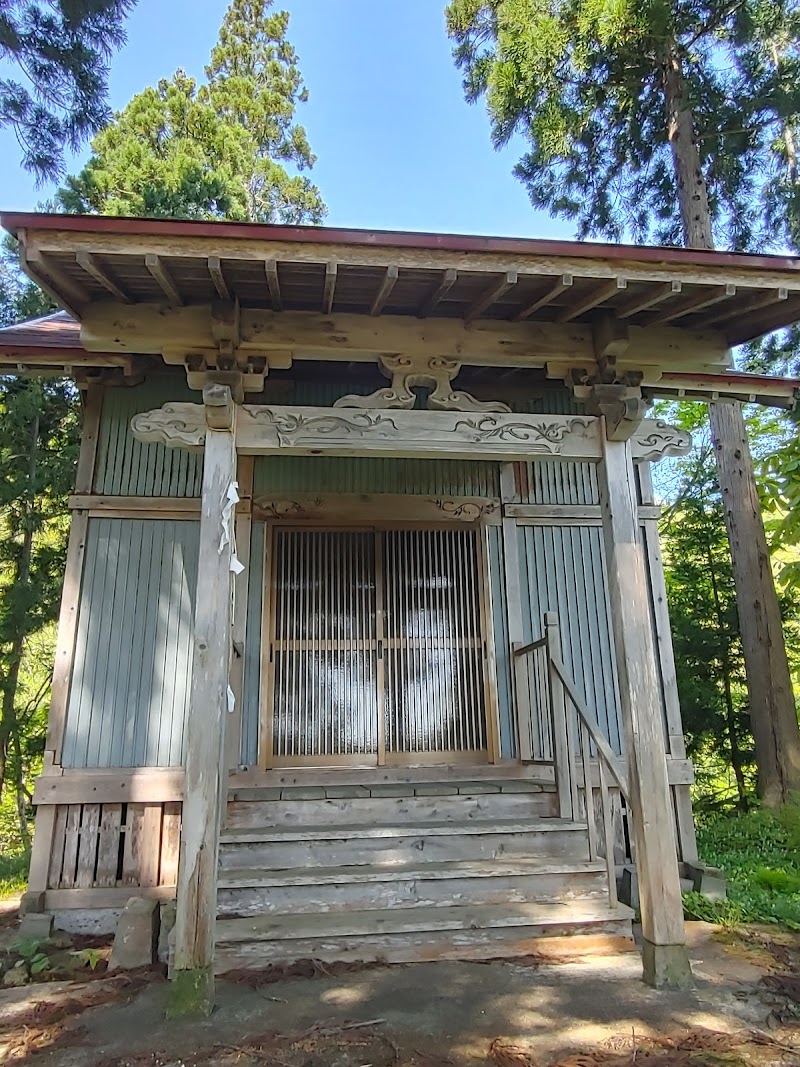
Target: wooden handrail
x: 603, y: 747
x: 523, y: 650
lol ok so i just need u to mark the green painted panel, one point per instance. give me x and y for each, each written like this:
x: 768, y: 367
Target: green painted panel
x: 127, y: 467
x: 131, y: 675
x: 324, y: 474
x: 252, y: 648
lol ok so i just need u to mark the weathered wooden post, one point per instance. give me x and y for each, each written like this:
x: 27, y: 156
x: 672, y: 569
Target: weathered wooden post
x: 665, y: 958
x: 192, y: 973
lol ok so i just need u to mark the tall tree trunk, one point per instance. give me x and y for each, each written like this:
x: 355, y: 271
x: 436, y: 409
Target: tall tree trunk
x: 21, y: 581
x: 730, y: 710
x: 772, y: 710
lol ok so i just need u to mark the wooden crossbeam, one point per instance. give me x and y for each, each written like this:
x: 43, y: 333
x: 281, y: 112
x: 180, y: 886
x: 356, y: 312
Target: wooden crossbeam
x: 593, y: 298
x: 91, y: 264
x: 218, y: 278
x: 449, y: 279
x: 555, y: 290
x: 273, y: 281
x: 330, y: 287
x: 652, y: 295
x: 386, y: 286
x: 696, y: 302
x: 162, y: 276
x: 735, y: 309
x: 491, y: 294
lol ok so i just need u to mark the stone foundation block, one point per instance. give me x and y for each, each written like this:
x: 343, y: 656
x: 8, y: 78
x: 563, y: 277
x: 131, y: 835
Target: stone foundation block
x: 31, y: 902
x: 629, y: 887
x: 136, y: 935
x: 168, y: 913
x: 37, y: 925
x: 710, y: 881
x: 666, y: 966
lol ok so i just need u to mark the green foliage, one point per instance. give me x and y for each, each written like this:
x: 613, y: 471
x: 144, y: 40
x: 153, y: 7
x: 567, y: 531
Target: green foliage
x: 61, y: 48
x: 760, y: 854
x: 13, y: 872
x: 30, y: 950
x: 583, y: 83
x: 88, y: 956
x: 218, y: 150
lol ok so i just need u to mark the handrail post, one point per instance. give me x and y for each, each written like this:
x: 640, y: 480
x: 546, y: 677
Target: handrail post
x: 558, y: 718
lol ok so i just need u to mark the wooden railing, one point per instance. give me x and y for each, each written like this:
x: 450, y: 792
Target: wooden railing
x: 573, y: 733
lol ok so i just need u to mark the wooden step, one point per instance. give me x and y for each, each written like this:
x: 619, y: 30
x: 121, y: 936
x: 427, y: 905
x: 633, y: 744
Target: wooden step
x: 455, y: 807
x: 406, y: 935
x: 518, y: 880
x: 383, y: 845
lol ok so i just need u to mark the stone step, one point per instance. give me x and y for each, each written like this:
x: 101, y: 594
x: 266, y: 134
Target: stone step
x: 521, y: 880
x: 455, y: 807
x: 412, y: 934
x: 401, y: 844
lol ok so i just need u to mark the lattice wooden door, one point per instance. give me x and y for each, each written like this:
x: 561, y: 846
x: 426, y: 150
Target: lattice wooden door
x: 377, y: 652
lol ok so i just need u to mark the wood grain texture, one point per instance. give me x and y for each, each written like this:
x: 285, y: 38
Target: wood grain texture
x: 640, y: 701
x: 205, y: 736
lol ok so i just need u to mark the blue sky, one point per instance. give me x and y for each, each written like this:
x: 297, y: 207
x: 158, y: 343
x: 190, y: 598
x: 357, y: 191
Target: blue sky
x: 397, y: 146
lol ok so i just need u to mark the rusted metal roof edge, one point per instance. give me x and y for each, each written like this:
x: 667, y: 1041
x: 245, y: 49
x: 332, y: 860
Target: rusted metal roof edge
x: 14, y: 222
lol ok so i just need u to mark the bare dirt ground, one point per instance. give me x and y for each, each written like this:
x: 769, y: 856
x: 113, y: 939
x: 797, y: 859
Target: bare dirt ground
x: 593, y: 1012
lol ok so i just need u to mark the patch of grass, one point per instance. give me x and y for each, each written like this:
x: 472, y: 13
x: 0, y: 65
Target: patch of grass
x: 760, y: 855
x: 13, y: 874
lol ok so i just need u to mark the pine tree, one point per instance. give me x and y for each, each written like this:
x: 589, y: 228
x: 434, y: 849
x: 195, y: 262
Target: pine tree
x: 219, y: 150
x: 62, y: 49
x: 639, y: 121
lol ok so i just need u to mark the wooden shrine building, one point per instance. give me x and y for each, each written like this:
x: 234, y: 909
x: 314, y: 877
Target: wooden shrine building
x: 363, y: 597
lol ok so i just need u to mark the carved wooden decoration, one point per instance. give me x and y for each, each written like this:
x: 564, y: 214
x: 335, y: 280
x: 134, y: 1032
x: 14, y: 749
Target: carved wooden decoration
x: 444, y: 434
x: 406, y: 507
x: 434, y: 373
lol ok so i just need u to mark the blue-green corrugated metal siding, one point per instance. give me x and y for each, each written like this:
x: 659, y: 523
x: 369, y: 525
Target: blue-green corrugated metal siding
x: 563, y: 569
x: 322, y: 474
x: 252, y: 648
x: 133, y: 651
x: 127, y: 467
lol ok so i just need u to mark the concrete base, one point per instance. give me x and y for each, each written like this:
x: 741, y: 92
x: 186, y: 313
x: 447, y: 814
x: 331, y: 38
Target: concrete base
x: 136, y: 935
x: 710, y: 881
x: 666, y: 966
x: 191, y: 993
x: 37, y: 925
x: 168, y: 911
x: 31, y: 902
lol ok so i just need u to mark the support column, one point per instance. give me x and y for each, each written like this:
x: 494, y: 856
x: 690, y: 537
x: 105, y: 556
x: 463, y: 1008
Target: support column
x: 192, y: 975
x: 665, y: 958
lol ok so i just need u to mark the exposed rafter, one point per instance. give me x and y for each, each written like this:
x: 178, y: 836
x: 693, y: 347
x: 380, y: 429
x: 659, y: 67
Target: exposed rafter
x: 554, y: 291
x: 646, y: 299
x: 162, y: 276
x: 755, y: 303
x: 329, y: 292
x: 449, y: 279
x: 490, y: 295
x: 218, y: 278
x: 706, y: 298
x: 274, y: 284
x: 382, y: 295
x: 598, y: 295
x: 53, y: 280
x: 91, y: 264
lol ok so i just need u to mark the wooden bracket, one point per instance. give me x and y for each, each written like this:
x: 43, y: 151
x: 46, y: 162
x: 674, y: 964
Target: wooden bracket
x: 219, y: 406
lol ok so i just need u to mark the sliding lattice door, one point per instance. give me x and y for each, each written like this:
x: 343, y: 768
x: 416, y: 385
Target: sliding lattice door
x: 377, y: 648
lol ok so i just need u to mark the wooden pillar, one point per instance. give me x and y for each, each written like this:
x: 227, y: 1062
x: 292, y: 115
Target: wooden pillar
x: 666, y: 962
x: 192, y: 975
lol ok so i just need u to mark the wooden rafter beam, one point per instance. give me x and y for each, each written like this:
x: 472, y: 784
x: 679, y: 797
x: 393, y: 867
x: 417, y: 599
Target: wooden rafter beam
x: 760, y: 322
x: 218, y: 278
x: 449, y: 279
x: 386, y: 286
x: 164, y: 279
x: 274, y: 284
x: 93, y: 267
x: 490, y: 295
x: 692, y: 304
x: 735, y: 309
x: 652, y: 295
x: 329, y: 291
x: 596, y: 296
x: 46, y: 273
x: 554, y: 291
